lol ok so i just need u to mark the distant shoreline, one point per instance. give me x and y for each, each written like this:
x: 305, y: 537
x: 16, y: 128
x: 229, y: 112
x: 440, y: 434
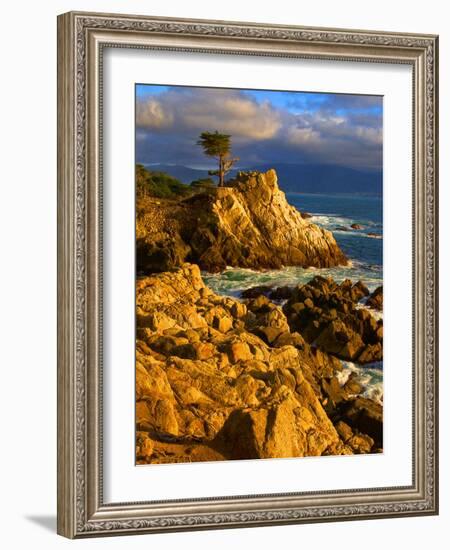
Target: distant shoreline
x: 327, y: 178
x: 328, y: 194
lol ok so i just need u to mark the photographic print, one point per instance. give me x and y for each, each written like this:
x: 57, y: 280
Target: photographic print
x: 259, y: 274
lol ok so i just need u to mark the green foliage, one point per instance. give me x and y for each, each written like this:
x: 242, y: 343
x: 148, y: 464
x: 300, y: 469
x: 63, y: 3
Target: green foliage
x: 159, y: 184
x: 203, y: 183
x: 214, y: 144
x: 218, y: 145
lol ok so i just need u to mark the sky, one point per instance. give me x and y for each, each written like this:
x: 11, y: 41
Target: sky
x: 265, y: 126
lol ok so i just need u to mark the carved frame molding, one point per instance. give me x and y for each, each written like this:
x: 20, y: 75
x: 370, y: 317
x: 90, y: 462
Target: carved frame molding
x: 81, y: 39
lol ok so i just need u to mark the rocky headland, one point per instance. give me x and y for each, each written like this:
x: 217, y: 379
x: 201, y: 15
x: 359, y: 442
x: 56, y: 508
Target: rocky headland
x: 258, y: 377
x: 248, y: 223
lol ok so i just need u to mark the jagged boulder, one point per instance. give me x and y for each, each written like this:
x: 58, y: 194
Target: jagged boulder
x: 364, y: 415
x: 330, y: 316
x: 375, y: 300
x: 288, y: 425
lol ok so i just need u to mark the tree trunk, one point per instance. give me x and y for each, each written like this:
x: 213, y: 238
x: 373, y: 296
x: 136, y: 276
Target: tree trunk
x: 221, y: 172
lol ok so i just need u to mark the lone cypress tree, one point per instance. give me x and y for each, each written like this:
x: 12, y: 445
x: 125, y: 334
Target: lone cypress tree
x: 218, y: 146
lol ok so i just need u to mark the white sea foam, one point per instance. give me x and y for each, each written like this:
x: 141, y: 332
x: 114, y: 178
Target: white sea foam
x: 370, y: 377
x: 374, y: 312
x: 331, y: 219
x: 232, y: 281
x: 341, y: 226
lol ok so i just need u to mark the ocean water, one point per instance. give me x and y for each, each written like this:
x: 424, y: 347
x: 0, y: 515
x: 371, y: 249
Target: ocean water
x: 337, y: 213
x: 365, y: 252
x: 370, y: 377
x: 333, y: 212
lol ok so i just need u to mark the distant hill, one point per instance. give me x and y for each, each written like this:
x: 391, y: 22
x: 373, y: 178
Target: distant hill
x: 182, y: 173
x: 300, y: 178
x: 315, y: 178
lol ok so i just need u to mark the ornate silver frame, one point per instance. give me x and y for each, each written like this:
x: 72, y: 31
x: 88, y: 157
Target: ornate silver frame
x: 81, y: 39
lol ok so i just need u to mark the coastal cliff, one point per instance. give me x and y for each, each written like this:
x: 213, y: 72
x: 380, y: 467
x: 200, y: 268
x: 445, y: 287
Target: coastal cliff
x: 263, y: 376
x: 218, y: 378
x: 248, y: 223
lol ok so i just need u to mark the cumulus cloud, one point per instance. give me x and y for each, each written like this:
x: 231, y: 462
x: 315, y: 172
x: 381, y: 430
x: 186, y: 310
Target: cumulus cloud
x: 302, y: 135
x: 152, y: 114
x: 325, y: 128
x: 205, y: 110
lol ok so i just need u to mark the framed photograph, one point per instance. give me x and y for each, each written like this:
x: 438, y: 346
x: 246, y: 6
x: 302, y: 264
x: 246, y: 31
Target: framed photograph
x: 247, y: 287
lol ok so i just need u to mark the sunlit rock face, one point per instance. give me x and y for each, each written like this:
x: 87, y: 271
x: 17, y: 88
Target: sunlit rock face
x: 248, y: 223
x: 221, y: 379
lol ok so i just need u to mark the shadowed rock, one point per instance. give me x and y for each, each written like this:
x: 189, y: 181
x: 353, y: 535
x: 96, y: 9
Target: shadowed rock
x: 364, y: 415
x: 375, y: 300
x: 329, y: 316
